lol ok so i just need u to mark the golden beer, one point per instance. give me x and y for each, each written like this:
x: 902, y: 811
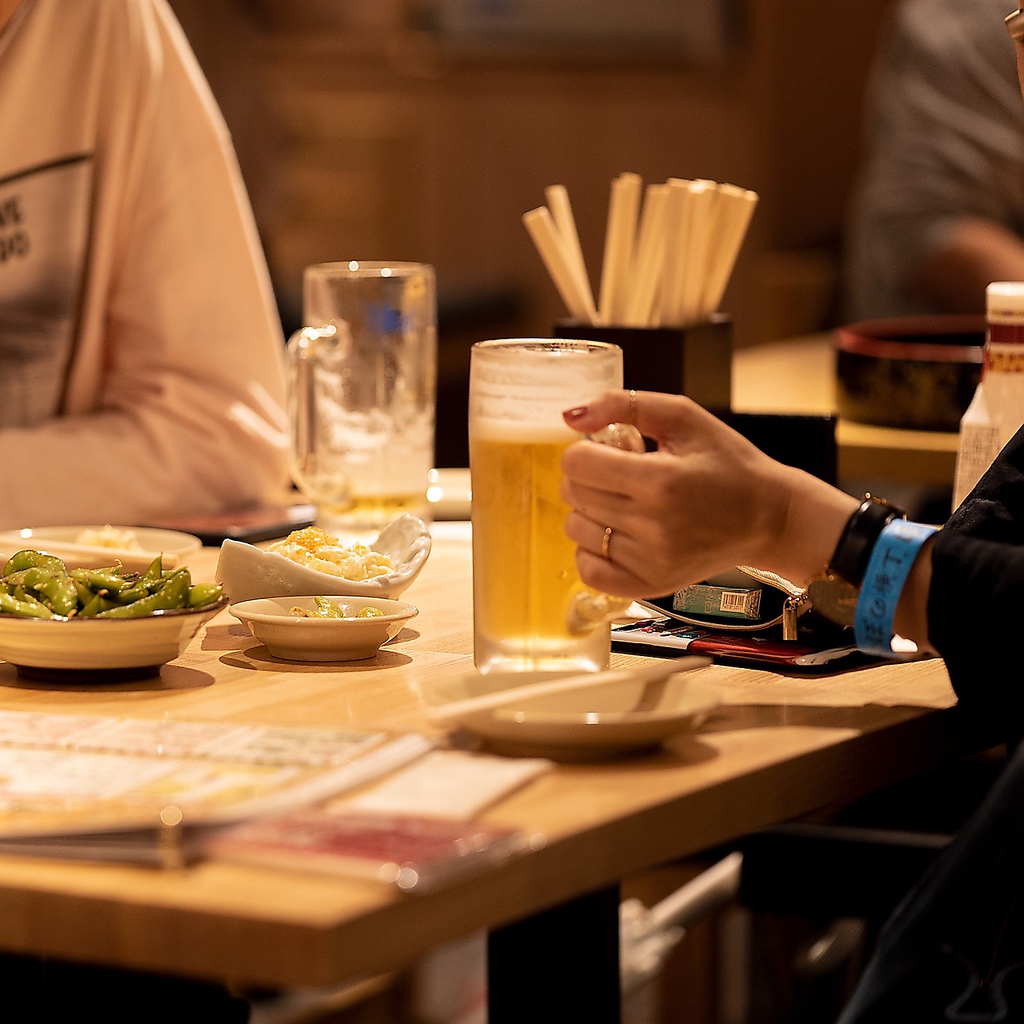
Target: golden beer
x: 364, y: 513
x: 525, y: 581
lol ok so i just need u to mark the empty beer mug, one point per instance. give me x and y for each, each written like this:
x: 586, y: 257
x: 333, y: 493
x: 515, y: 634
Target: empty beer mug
x: 531, y: 611
x: 361, y: 393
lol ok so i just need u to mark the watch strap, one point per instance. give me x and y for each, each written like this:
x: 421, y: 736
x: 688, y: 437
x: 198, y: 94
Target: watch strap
x: 850, y: 558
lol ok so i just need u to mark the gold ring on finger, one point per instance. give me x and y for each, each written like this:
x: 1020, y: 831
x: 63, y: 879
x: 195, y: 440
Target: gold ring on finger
x: 606, y: 543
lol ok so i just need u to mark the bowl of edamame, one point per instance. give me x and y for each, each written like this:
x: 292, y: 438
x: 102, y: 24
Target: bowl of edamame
x: 97, y: 625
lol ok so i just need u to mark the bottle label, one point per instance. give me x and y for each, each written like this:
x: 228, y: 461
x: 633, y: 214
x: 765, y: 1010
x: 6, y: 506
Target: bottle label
x: 1003, y: 359
x: 979, y: 444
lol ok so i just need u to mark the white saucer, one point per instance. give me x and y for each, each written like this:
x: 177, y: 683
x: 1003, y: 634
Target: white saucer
x: 599, y: 721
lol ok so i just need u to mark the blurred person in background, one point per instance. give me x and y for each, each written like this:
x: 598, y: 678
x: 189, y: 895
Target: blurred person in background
x: 141, y: 371
x: 940, y: 209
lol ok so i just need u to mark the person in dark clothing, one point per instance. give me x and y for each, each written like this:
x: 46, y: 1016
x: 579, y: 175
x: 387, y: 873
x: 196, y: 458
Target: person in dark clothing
x: 706, y: 500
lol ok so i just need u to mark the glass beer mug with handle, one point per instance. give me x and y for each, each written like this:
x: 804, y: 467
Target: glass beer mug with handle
x: 531, y: 611
x: 362, y: 393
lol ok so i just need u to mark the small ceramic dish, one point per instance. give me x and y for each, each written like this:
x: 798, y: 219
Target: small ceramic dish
x: 62, y: 541
x: 96, y: 650
x: 249, y: 572
x: 297, y: 638
x: 603, y: 720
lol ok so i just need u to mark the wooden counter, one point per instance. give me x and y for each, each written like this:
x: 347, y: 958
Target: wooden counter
x: 778, y: 747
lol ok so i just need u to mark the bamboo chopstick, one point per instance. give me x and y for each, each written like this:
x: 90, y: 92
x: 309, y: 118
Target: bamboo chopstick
x: 735, y: 210
x: 454, y: 710
x: 549, y: 244
x: 672, y: 269
x: 618, y: 246
x: 702, y: 205
x: 645, y: 272
x: 561, y: 210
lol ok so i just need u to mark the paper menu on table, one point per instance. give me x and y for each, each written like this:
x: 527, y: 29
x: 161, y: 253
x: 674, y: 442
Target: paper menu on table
x: 262, y: 744
x: 32, y: 776
x: 277, y: 745
x: 446, y: 784
x: 157, y: 736
x: 32, y: 729
x: 101, y: 774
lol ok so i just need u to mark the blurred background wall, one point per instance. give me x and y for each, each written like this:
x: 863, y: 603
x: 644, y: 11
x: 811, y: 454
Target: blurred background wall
x: 397, y: 129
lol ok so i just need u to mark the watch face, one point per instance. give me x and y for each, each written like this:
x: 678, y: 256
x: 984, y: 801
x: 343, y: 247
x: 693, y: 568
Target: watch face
x: 834, y: 598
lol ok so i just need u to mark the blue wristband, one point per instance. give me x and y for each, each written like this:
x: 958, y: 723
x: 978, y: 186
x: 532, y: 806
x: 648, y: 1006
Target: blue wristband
x: 890, y: 563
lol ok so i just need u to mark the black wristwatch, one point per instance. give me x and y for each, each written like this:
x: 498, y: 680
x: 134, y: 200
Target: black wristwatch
x: 834, y: 591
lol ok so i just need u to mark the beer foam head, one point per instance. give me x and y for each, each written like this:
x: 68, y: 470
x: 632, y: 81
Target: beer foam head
x: 533, y: 381
x: 482, y: 428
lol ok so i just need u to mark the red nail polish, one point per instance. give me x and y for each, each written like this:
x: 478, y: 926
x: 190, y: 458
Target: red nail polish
x: 576, y: 413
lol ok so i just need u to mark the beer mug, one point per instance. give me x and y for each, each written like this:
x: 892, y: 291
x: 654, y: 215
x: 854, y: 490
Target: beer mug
x: 531, y: 611
x: 361, y: 392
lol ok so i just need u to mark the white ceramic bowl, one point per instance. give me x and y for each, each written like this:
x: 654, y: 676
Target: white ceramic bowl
x: 97, y: 650
x: 296, y: 638
x: 248, y: 572
x: 62, y: 542
x: 602, y: 720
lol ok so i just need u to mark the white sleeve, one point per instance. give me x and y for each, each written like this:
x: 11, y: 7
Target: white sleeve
x: 185, y: 412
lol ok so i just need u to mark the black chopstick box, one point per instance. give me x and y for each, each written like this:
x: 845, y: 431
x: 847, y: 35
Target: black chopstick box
x: 694, y: 360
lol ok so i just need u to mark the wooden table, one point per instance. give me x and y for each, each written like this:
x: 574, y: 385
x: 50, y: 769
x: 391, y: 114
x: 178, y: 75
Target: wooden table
x: 799, y: 376
x: 779, y: 747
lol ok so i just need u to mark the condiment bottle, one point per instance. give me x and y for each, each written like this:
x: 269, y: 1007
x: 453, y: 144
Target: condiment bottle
x: 997, y: 410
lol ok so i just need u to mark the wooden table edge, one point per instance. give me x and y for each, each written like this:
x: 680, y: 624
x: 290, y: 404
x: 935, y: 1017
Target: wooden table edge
x: 392, y: 933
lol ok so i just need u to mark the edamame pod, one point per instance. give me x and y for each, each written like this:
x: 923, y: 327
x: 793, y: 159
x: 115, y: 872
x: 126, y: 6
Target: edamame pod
x: 154, y: 572
x: 29, y: 559
x: 203, y: 594
x: 26, y: 609
x: 57, y: 587
x: 96, y: 605
x: 99, y: 579
x: 173, y: 594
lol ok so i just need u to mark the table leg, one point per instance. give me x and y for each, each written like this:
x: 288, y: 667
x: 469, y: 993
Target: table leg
x: 557, y: 966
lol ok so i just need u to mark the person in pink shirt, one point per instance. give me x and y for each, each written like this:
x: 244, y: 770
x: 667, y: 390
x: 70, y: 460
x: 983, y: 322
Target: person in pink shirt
x: 141, y: 371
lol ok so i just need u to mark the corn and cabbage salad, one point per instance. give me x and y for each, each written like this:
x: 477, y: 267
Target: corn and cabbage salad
x: 317, y: 549
x: 110, y: 537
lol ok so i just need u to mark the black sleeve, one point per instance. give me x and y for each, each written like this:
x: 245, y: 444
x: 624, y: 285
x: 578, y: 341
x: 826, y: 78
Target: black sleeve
x: 976, y: 601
